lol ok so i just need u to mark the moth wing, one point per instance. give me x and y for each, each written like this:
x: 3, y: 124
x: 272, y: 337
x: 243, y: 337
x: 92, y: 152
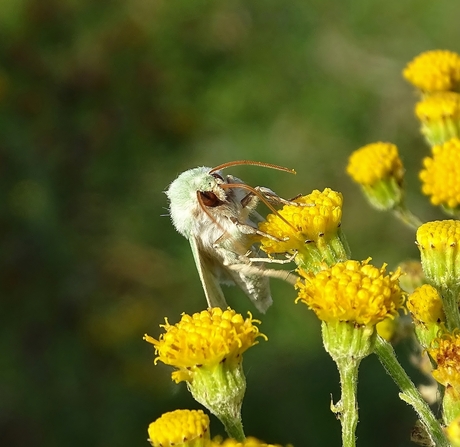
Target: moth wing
x: 254, y: 284
x: 212, y: 290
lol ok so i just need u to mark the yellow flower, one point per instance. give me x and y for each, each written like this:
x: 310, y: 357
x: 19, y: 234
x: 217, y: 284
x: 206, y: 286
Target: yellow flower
x: 439, y: 114
x: 441, y: 174
x: 311, y: 229
x: 205, y: 340
x: 374, y: 162
x: 445, y: 351
x: 438, y: 242
x: 188, y: 428
x: 248, y: 442
x: 352, y: 291
x: 434, y: 71
x: 425, y: 305
x: 207, y: 348
x: 427, y: 309
x: 379, y: 170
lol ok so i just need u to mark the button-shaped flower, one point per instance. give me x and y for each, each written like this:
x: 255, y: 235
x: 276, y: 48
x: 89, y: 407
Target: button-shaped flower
x: 187, y: 428
x: 248, y: 442
x: 352, y: 291
x: 351, y: 298
x: 445, y: 351
x: 438, y: 242
x: 309, y: 228
x: 439, y: 114
x: 434, y: 71
x: 441, y: 175
x: 379, y: 171
x: 426, y: 307
x: 207, y: 348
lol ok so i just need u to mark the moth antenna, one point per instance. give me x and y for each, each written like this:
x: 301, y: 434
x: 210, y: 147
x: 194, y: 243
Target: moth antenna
x: 260, y: 196
x: 253, y: 163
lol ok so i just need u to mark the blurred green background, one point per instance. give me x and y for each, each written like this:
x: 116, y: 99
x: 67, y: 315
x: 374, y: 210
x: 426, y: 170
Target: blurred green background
x: 102, y: 104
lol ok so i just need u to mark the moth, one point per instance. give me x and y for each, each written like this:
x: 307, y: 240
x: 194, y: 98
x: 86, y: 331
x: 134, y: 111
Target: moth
x: 216, y: 213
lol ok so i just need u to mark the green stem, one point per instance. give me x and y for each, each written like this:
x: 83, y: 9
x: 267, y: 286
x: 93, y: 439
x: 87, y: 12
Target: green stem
x: 347, y: 407
x: 233, y: 427
x: 403, y: 214
x: 450, y: 302
x: 409, y: 393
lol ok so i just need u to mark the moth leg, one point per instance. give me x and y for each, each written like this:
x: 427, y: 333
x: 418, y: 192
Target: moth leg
x: 284, y: 275
x: 274, y: 260
x: 247, y: 229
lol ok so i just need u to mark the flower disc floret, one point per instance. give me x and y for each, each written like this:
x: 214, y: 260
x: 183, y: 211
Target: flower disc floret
x: 445, y: 351
x: 425, y: 305
x: 434, y: 71
x: 352, y: 291
x: 374, y: 162
x: 441, y: 174
x: 318, y: 215
x: 207, y: 338
x: 179, y: 427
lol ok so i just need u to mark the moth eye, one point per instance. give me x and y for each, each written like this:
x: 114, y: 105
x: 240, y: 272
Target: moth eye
x: 209, y: 199
x: 217, y: 176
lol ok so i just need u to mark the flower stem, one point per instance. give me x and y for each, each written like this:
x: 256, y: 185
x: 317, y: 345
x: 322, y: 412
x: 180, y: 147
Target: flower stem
x: 406, y: 216
x: 450, y: 295
x: 347, y: 407
x: 409, y: 393
x: 233, y: 427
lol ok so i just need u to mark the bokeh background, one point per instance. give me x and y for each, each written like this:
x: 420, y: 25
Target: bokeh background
x: 102, y: 104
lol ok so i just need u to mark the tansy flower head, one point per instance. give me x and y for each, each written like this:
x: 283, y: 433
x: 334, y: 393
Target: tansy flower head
x: 188, y: 428
x: 248, y: 442
x: 379, y: 170
x: 438, y: 242
x: 425, y: 305
x: 445, y: 351
x: 434, y: 71
x: 310, y: 227
x: 441, y: 175
x: 352, y: 291
x: 207, y: 349
x: 439, y: 115
x: 205, y: 340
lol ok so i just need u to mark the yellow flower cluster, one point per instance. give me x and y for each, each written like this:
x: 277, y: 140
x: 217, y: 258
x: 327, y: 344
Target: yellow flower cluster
x: 205, y: 339
x: 318, y: 215
x: 441, y: 174
x: 248, y: 442
x: 434, y: 71
x: 425, y: 305
x: 179, y: 427
x: 352, y: 291
x: 445, y: 351
x: 374, y: 162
